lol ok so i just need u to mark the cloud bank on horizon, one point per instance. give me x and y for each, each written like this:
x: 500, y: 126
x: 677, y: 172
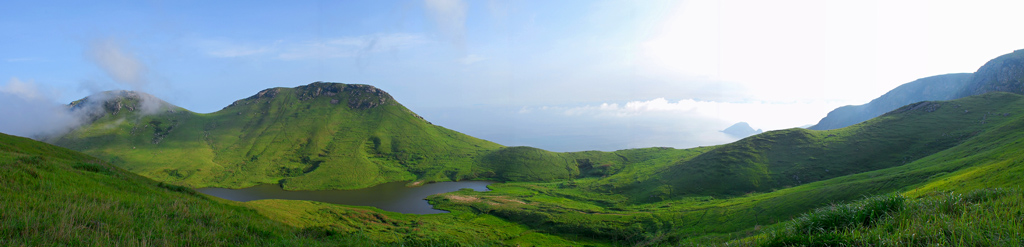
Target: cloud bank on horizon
x: 560, y: 75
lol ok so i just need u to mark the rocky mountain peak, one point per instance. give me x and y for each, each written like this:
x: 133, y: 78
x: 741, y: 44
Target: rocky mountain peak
x: 356, y: 96
x: 1004, y: 73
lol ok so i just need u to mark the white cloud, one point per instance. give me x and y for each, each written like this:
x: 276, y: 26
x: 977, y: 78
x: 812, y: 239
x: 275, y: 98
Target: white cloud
x: 766, y: 115
x: 28, y: 112
x: 450, y: 18
x: 121, y: 66
x: 32, y: 112
x: 26, y: 90
x: 351, y: 46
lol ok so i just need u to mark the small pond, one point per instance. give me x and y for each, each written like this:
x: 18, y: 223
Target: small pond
x: 394, y: 197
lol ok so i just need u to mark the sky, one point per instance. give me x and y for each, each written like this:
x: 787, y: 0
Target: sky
x: 558, y: 75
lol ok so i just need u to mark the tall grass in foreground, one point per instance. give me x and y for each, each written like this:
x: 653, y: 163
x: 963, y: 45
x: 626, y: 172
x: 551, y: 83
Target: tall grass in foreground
x: 985, y: 217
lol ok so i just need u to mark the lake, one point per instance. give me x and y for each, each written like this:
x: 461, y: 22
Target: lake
x: 394, y: 197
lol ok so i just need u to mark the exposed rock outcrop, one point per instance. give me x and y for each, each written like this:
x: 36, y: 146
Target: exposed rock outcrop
x: 1002, y: 74
x: 357, y: 96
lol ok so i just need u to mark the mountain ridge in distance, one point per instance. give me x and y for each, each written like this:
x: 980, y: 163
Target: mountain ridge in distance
x: 1001, y: 74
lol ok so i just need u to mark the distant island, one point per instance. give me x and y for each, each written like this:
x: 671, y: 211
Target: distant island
x: 741, y: 130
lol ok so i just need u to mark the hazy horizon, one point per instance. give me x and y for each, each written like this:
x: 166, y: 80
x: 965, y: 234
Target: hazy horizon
x: 562, y: 75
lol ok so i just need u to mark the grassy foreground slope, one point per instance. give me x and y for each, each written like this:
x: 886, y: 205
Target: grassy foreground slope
x: 51, y: 195
x: 319, y: 136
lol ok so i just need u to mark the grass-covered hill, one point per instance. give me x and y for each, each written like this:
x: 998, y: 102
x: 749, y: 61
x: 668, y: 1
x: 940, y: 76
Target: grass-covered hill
x: 322, y: 135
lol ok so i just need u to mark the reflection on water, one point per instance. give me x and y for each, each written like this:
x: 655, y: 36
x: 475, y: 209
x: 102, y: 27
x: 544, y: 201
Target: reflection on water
x: 394, y: 197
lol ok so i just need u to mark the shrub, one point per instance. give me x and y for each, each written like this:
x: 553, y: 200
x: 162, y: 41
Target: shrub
x: 837, y: 217
x: 90, y: 167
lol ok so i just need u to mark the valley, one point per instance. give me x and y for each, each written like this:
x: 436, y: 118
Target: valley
x: 393, y: 197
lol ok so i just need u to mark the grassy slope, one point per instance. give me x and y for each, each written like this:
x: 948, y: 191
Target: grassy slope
x: 983, y: 157
x: 53, y: 195
x: 319, y: 136
x: 984, y: 217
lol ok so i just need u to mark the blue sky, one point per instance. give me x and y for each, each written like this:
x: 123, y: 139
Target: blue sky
x: 560, y: 75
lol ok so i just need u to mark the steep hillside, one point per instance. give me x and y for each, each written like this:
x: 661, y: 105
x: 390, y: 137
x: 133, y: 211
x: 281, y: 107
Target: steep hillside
x: 323, y: 135
x: 50, y: 195
x: 940, y: 87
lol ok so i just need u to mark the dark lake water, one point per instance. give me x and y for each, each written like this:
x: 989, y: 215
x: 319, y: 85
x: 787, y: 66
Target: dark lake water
x: 394, y: 197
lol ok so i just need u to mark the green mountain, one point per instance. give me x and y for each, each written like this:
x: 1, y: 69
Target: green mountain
x: 940, y: 87
x: 318, y: 136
